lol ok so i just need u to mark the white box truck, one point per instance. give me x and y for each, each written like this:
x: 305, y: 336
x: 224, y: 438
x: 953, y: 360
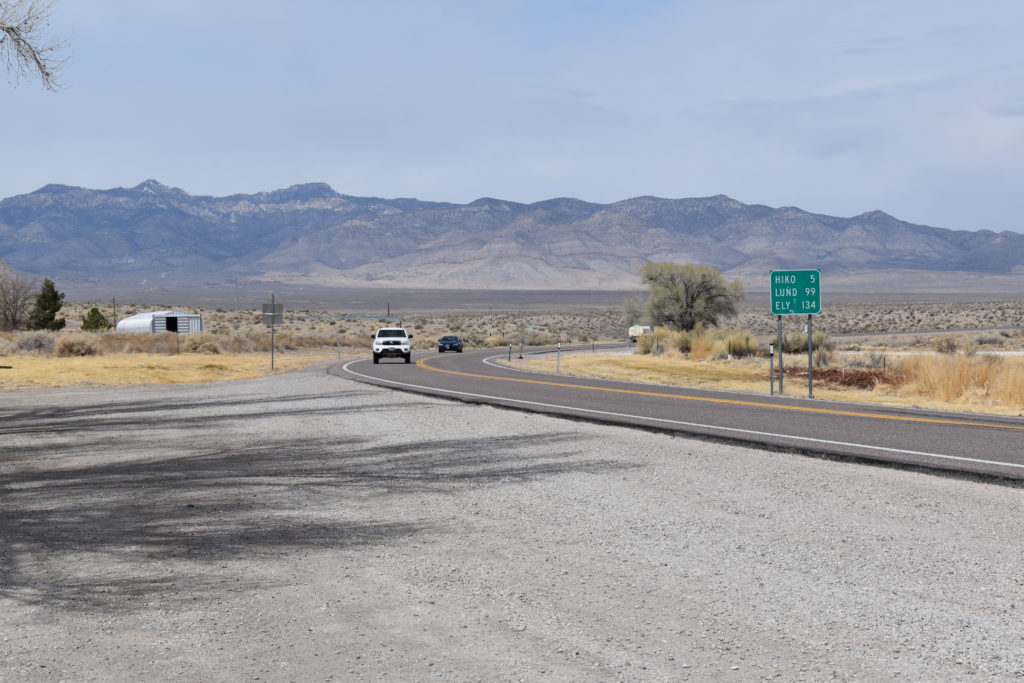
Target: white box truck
x: 636, y: 330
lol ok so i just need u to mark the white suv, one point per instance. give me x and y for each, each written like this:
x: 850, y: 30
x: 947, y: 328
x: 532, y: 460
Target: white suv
x: 392, y: 342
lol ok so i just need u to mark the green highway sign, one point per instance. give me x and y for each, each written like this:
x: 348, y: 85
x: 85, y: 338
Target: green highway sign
x: 796, y: 292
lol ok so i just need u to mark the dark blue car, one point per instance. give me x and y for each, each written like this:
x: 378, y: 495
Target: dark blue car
x: 449, y: 343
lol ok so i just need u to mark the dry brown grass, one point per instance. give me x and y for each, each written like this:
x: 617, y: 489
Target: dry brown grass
x: 120, y: 369
x: 230, y: 333
x: 966, y: 379
x: 672, y: 368
x: 987, y: 384
x: 704, y: 346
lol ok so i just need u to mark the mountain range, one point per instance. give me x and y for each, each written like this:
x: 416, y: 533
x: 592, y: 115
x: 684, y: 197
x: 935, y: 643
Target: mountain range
x: 310, y: 234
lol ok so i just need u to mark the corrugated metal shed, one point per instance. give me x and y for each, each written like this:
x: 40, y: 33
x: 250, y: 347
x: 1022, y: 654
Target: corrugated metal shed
x: 179, y: 322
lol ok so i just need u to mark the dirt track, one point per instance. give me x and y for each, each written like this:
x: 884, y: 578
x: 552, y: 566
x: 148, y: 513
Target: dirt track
x: 302, y: 527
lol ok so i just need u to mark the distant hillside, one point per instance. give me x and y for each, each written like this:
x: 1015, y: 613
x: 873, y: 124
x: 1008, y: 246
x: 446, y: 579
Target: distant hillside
x: 311, y: 234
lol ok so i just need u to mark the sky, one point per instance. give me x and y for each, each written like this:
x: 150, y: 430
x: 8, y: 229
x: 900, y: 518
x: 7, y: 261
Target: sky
x: 912, y: 107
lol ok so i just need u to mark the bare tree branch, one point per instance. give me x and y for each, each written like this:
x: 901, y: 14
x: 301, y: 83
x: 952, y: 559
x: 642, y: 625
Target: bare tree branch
x: 16, y: 292
x: 24, y: 49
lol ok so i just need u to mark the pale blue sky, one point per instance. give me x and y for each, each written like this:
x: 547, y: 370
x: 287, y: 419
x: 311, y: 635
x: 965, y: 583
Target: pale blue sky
x: 913, y: 107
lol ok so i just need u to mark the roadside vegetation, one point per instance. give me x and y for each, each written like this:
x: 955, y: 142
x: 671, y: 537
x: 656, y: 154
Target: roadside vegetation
x: 981, y: 373
x: 86, y: 349
x: 906, y: 354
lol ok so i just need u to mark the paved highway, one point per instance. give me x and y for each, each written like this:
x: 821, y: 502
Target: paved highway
x: 985, y: 444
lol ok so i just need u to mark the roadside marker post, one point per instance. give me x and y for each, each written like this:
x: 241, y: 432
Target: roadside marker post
x: 796, y: 292
x: 771, y: 369
x: 558, y: 358
x: 273, y: 315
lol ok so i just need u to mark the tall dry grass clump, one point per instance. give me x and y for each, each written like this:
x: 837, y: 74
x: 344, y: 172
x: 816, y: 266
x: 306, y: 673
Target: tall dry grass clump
x: 497, y: 340
x: 705, y: 344
x: 656, y: 342
x: 946, y: 343
x: 700, y: 343
x: 740, y: 343
x: 1008, y: 385
x: 201, y: 343
x: 797, y: 342
x: 963, y: 378
x: 122, y: 342
x: 37, y: 343
x: 245, y: 341
x: 353, y: 339
x: 71, y: 345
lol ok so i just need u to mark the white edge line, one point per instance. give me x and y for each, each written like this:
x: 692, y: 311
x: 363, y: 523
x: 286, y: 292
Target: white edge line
x: 682, y: 423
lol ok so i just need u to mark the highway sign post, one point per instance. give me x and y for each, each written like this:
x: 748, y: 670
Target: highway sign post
x: 797, y: 292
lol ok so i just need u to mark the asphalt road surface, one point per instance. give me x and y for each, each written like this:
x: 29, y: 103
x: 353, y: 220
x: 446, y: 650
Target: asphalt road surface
x: 981, y: 444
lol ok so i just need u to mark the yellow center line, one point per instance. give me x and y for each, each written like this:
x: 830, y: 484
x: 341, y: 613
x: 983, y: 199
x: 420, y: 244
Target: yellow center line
x: 424, y: 363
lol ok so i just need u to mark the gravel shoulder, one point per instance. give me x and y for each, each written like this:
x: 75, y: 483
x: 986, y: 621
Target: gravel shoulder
x: 304, y: 526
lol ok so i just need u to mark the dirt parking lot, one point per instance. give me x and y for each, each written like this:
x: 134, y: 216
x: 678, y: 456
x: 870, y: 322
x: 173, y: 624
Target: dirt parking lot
x: 304, y: 527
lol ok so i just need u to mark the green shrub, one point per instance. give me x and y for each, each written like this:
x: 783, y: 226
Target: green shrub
x: 94, y: 321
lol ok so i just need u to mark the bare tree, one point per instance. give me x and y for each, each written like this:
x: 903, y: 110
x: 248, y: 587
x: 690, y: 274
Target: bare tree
x: 17, y: 291
x: 24, y: 49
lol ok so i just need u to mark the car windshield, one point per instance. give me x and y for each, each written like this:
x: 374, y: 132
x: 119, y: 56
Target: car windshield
x: 391, y: 333
x: 449, y: 339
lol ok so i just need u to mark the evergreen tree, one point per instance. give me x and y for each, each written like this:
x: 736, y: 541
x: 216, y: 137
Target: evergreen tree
x: 44, y: 311
x: 94, y: 321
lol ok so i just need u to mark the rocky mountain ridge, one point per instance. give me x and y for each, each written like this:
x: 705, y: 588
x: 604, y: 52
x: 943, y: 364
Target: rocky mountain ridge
x: 312, y: 234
